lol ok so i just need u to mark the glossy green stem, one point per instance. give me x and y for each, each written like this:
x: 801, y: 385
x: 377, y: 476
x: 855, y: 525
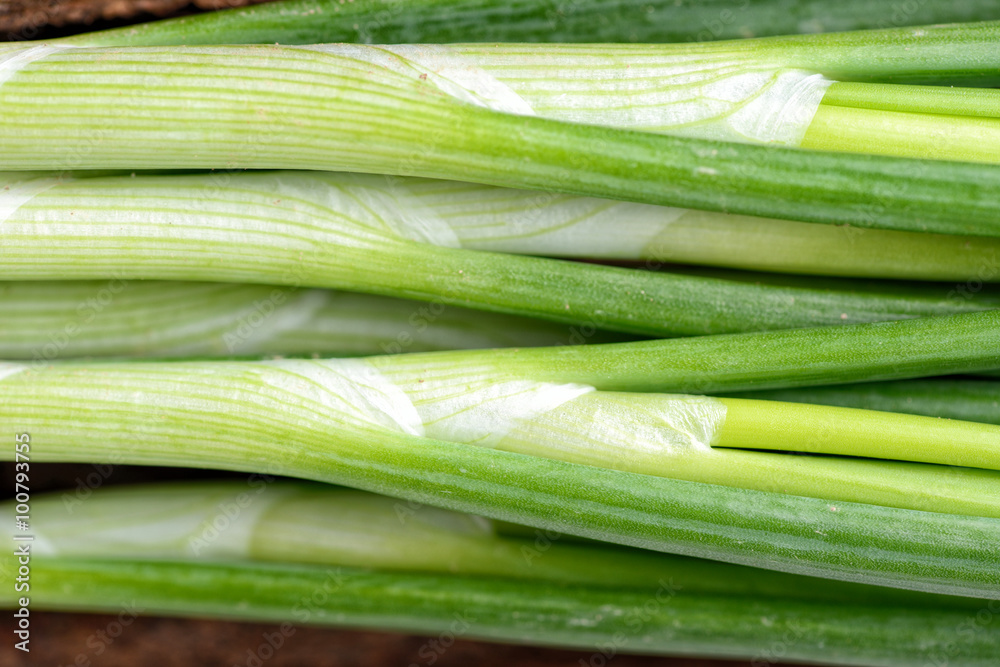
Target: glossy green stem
x: 976, y: 400
x: 154, y: 410
x: 442, y: 21
x: 938, y: 53
x: 296, y: 229
x: 743, y: 362
x: 589, y: 296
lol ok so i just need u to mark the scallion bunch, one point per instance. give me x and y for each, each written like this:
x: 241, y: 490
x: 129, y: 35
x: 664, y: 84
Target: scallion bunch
x: 689, y: 301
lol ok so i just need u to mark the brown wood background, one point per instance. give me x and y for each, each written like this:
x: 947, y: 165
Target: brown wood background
x: 31, y: 19
x: 58, y: 639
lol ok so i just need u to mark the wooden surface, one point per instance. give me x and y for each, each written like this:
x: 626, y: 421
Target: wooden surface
x: 70, y: 639
x: 28, y: 19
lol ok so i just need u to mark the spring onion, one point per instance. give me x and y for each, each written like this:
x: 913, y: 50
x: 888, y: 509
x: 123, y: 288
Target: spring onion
x: 359, y: 232
x: 106, y: 144
x: 395, y: 110
x: 283, y: 521
x: 383, y: 428
x: 508, y: 220
x: 196, y: 549
x: 61, y: 319
x: 954, y: 344
x: 483, y: 217
x: 682, y: 437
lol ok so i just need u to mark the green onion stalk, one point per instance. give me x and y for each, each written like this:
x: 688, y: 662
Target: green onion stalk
x: 545, y: 117
x: 522, y: 612
x: 969, y: 399
x: 967, y: 343
x: 292, y: 553
x: 440, y: 21
x: 49, y: 320
x: 483, y: 217
x: 476, y: 432
x: 418, y: 239
x: 686, y: 437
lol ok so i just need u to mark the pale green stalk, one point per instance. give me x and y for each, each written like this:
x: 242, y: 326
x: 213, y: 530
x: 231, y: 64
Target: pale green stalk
x: 517, y: 221
x: 971, y: 102
x: 751, y: 424
x: 451, y: 111
x: 312, y: 21
x: 403, y: 238
x: 758, y: 90
x: 60, y: 320
x: 915, y: 135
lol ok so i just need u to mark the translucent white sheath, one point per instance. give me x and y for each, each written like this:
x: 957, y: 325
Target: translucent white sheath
x: 716, y: 94
x: 355, y: 396
x: 562, y: 421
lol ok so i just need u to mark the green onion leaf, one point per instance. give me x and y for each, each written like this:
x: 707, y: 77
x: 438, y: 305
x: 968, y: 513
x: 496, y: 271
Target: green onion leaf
x: 976, y: 400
